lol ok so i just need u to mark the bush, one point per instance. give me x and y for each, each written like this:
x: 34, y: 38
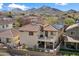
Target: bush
x: 69, y: 21
x: 24, y: 46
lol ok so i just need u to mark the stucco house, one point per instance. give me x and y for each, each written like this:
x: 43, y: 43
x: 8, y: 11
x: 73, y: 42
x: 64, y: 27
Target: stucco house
x: 6, y: 23
x: 71, y: 40
x: 40, y: 36
x: 10, y: 37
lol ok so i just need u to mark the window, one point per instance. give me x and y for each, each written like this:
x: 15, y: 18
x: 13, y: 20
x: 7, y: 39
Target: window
x: 72, y: 33
x: 0, y: 40
x: 30, y: 33
x: 8, y: 40
x: 41, y: 28
x: 3, y: 26
x: 6, y: 25
x: 46, y: 33
x: 52, y: 33
x: 41, y: 36
x: 71, y: 45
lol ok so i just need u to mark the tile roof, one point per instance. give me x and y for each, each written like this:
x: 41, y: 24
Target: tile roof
x: 36, y: 27
x: 6, y: 21
x: 9, y: 33
x: 50, y: 28
x: 30, y: 27
x: 72, y: 26
x: 70, y: 39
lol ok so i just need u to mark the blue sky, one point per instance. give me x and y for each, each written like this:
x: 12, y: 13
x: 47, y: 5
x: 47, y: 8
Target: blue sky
x: 25, y: 6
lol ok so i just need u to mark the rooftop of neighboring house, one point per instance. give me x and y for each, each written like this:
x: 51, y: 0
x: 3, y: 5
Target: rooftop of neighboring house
x: 30, y: 27
x: 54, y: 27
x: 1, y: 13
x: 58, y: 26
x: 6, y: 21
x: 10, y: 33
x: 70, y: 39
x: 38, y: 19
x: 72, y: 26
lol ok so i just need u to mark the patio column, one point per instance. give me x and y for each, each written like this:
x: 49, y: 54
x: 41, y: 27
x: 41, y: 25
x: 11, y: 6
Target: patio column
x: 76, y: 46
x: 65, y: 44
x: 53, y: 45
x: 44, y: 45
x: 37, y: 45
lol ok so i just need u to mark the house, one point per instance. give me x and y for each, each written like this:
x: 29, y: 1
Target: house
x: 10, y: 37
x: 6, y: 23
x: 29, y: 34
x: 29, y: 19
x: 71, y: 40
x: 41, y: 37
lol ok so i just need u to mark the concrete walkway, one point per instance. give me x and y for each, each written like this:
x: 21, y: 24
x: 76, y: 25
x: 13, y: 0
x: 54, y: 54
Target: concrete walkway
x: 4, y: 53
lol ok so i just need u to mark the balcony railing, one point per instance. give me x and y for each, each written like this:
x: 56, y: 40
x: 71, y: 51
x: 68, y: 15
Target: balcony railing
x: 45, y: 38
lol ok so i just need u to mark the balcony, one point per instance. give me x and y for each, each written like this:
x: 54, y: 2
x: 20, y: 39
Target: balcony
x: 48, y: 39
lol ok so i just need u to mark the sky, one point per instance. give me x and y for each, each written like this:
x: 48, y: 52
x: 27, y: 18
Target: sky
x: 26, y: 6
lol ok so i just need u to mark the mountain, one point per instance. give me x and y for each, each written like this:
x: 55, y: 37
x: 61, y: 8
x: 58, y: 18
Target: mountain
x: 16, y: 10
x: 72, y: 11
x: 45, y: 10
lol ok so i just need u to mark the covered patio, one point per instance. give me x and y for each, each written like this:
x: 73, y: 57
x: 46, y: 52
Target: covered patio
x: 45, y: 45
x: 71, y: 43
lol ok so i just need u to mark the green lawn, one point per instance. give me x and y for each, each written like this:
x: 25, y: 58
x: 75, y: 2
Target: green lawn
x: 65, y: 52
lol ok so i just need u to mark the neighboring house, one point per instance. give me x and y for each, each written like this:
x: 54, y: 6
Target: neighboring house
x: 6, y: 23
x: 72, y: 37
x: 29, y: 19
x: 9, y: 37
x: 40, y: 36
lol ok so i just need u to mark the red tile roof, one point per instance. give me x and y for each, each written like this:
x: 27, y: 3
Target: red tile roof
x: 6, y: 21
x: 30, y: 27
x: 36, y: 27
x: 9, y: 33
x: 49, y: 28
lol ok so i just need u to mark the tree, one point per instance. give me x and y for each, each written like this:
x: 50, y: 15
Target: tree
x: 9, y: 14
x: 18, y: 22
x: 69, y: 21
x: 51, y: 20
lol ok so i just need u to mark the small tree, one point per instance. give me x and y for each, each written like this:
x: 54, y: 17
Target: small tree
x: 9, y: 14
x: 69, y: 21
x: 24, y: 46
x: 18, y: 22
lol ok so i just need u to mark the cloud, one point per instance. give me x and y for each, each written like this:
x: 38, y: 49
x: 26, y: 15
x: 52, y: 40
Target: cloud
x: 39, y: 1
x: 62, y: 4
x: 23, y: 7
x: 1, y: 5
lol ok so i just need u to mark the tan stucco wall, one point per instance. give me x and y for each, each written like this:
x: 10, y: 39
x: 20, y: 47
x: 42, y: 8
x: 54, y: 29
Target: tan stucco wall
x: 75, y: 30
x: 30, y: 41
x: 14, y: 41
x: 9, y: 26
